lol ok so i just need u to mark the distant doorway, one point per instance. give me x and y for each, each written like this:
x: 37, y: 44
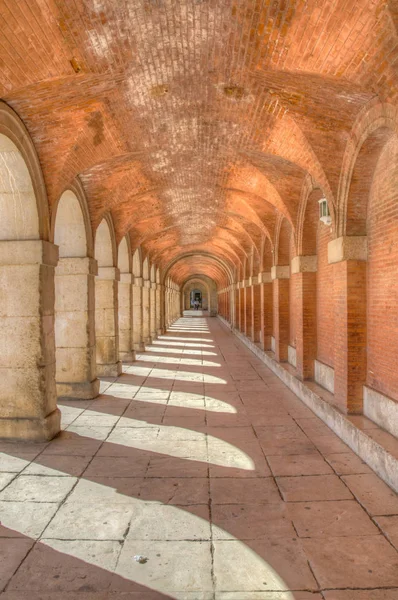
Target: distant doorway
x: 196, y: 299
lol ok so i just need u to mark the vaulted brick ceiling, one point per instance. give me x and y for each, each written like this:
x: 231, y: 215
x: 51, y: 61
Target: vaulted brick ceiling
x: 194, y: 122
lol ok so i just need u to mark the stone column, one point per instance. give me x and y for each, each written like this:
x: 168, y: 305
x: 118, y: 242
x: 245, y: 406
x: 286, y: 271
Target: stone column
x: 248, y: 309
x: 349, y: 255
x: 266, y: 313
x: 242, y: 307
x: 237, y: 310
x: 303, y: 271
x: 256, y: 310
x: 125, y: 296
x: 280, y: 282
x: 153, y: 329
x: 159, y: 312
x: 28, y: 398
x: 138, y: 343
x: 76, y: 371
x: 146, y: 312
x: 106, y: 322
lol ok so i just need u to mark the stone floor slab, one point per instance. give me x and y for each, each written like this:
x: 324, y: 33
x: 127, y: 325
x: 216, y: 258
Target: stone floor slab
x: 325, y: 519
x: 341, y: 562
x: 187, y: 464
x: 312, y: 488
x: 171, y: 566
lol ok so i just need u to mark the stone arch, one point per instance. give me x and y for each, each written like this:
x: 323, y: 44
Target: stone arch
x: 106, y: 300
x: 27, y: 215
x: 190, y: 286
x: 146, y: 301
x: 70, y: 223
x: 125, y: 300
x: 28, y: 407
x: 105, y: 243
x: 137, y: 263
x: 74, y: 299
x: 146, y: 269
x: 372, y: 130
x: 124, y: 259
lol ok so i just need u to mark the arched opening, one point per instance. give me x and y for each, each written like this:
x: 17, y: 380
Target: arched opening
x: 366, y: 305
x: 138, y: 344
x: 106, y: 302
x: 381, y: 385
x: 125, y: 311
x: 152, y: 303
x: 146, y: 302
x: 74, y: 302
x: 280, y: 274
x: 28, y: 407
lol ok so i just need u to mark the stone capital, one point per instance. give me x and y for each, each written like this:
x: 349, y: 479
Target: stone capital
x: 246, y: 283
x: 153, y: 285
x: 28, y: 252
x: 126, y: 278
x: 253, y: 280
x: 147, y: 284
x: 138, y: 281
x: 77, y: 266
x: 109, y: 273
x: 304, y: 264
x: 264, y: 277
x: 280, y: 272
x: 353, y: 247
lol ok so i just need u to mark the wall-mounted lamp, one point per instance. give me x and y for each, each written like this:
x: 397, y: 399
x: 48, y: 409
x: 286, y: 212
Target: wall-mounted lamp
x: 324, y: 214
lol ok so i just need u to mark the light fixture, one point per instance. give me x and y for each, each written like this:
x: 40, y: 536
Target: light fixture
x: 324, y: 214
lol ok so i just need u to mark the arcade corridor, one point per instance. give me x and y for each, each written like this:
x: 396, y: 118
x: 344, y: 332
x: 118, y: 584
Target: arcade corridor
x: 195, y: 475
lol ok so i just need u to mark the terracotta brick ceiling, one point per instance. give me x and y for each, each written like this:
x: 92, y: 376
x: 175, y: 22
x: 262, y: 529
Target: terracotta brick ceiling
x: 195, y: 122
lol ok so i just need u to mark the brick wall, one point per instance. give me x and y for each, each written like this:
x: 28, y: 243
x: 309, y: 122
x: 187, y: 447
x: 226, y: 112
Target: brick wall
x: 325, y: 302
x: 382, y: 371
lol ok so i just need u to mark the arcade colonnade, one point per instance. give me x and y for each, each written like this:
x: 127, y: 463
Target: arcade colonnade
x: 75, y: 301
x: 319, y: 296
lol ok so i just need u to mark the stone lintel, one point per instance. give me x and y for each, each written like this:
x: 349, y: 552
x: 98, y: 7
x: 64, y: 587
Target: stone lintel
x: 280, y: 272
x: 126, y: 278
x: 304, y: 264
x: 109, y: 273
x: 77, y: 266
x: 264, y: 277
x: 353, y: 247
x: 28, y: 252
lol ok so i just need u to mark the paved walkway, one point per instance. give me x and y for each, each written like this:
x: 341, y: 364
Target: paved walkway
x: 196, y: 475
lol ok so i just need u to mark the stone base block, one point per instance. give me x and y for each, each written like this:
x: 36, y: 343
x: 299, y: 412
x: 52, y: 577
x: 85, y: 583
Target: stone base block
x: 139, y: 347
x: 147, y: 341
x: 109, y: 370
x: 381, y: 409
x: 127, y: 357
x: 85, y: 390
x: 32, y: 430
x: 160, y: 332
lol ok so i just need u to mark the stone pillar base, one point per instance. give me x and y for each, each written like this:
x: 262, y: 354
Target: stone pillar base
x: 34, y: 430
x: 147, y: 341
x: 110, y: 370
x: 127, y: 356
x: 86, y: 390
x: 139, y: 347
x: 160, y: 332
